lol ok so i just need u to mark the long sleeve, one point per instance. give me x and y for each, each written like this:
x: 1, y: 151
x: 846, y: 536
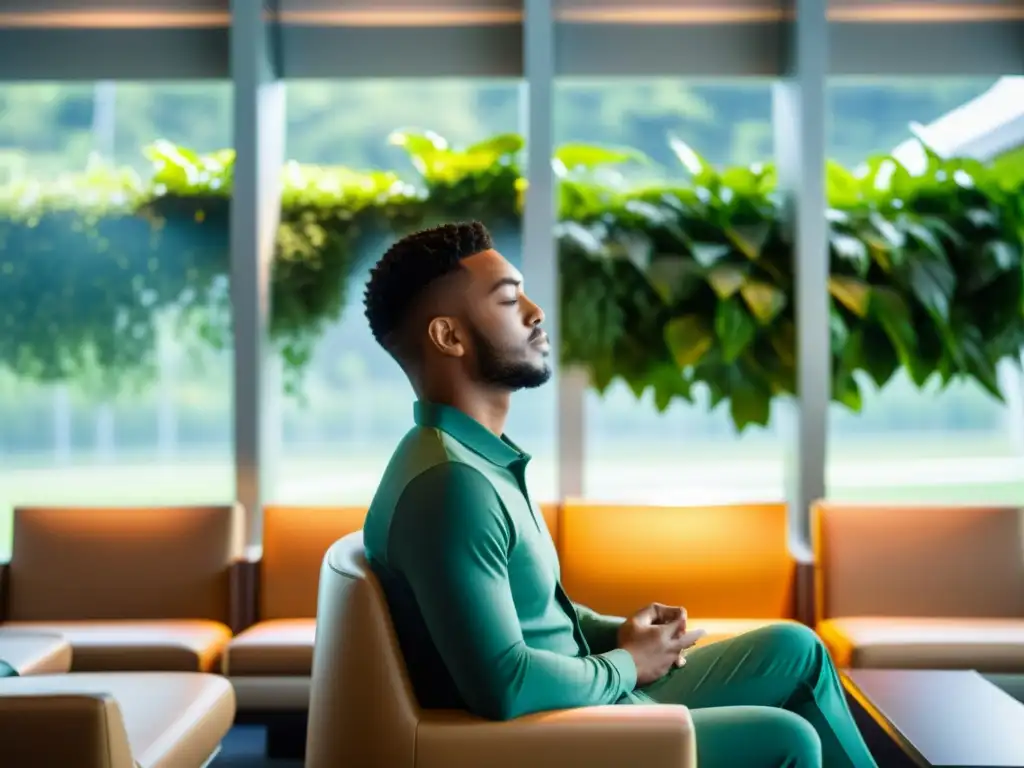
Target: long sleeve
x: 600, y: 631
x: 451, y: 538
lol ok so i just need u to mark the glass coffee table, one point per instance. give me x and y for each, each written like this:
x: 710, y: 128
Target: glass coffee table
x: 933, y: 718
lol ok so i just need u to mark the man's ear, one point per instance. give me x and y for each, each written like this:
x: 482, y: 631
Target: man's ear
x: 446, y: 335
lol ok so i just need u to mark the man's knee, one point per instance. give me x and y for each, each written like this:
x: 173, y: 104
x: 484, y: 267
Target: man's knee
x: 791, y: 639
x: 798, y: 645
x: 755, y: 737
x: 799, y: 744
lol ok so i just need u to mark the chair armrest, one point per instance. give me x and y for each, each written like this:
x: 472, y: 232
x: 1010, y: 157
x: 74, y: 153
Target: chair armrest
x: 83, y: 730
x: 28, y: 652
x: 245, y: 589
x: 4, y: 587
x: 654, y: 736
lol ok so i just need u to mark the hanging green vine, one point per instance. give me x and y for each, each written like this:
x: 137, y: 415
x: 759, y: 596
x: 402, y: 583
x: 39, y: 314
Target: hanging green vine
x: 663, y: 286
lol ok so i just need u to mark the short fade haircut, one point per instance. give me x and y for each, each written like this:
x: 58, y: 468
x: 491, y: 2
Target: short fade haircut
x: 408, y: 268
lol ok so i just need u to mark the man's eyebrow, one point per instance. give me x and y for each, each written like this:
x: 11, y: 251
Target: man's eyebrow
x: 505, y: 281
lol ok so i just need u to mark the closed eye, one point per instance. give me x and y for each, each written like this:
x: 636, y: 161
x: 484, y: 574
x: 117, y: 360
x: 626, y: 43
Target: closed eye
x: 510, y: 303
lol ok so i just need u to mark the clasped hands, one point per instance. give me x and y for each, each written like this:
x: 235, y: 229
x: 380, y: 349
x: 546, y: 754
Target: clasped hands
x: 656, y: 637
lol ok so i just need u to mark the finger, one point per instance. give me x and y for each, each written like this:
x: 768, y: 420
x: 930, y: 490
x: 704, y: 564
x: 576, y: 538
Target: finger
x: 648, y: 615
x: 674, y: 635
x: 678, y: 626
x: 680, y: 661
x: 666, y: 613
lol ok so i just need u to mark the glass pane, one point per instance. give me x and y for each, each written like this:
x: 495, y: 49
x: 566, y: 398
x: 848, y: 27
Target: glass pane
x: 352, y: 403
x: 115, y: 350
x: 668, y: 11
x: 924, y: 10
x: 383, y: 12
x: 691, y: 452
x: 905, y: 442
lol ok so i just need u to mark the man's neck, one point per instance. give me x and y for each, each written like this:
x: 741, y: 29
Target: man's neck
x: 487, y: 407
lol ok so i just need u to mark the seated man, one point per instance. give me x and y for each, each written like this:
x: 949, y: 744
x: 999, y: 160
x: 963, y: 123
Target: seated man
x: 471, y: 573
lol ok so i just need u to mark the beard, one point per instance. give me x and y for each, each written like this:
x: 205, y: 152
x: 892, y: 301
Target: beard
x: 499, y: 368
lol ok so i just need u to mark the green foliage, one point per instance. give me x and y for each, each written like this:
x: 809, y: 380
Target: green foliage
x: 664, y: 286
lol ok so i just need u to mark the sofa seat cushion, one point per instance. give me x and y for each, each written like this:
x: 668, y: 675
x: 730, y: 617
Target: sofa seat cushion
x: 269, y: 648
x: 145, y: 646
x: 34, y: 653
x: 986, y: 645
x: 171, y: 719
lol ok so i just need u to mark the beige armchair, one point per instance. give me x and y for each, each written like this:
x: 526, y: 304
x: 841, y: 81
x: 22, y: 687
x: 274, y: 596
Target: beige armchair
x: 363, y: 711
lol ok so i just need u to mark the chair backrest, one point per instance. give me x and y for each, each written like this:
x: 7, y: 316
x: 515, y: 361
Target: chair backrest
x: 78, y: 563
x: 721, y: 562
x: 918, y: 561
x: 362, y: 708
x: 295, y: 540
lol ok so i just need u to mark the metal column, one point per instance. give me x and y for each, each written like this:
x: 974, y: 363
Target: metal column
x: 540, y: 257
x: 255, y: 212
x: 799, y: 128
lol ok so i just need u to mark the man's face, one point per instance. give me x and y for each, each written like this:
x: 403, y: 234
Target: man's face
x: 507, y: 345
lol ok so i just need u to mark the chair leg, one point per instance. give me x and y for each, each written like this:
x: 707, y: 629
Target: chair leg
x: 286, y: 738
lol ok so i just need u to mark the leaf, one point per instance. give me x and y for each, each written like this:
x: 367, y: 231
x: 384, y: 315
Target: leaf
x: 690, y: 160
x: 933, y: 282
x: 869, y: 351
x: 923, y: 235
x: 424, y: 148
x: 709, y: 254
x: 725, y: 280
x: 997, y: 258
x: 843, y: 187
x: 783, y: 340
x: 893, y: 315
x: 982, y: 218
x: 734, y: 327
x: 500, y: 145
x: 749, y: 404
x: 742, y: 181
x: 846, y: 392
x: 764, y: 300
x: 750, y: 239
x: 852, y: 251
x: 669, y: 383
x: 838, y: 333
x: 588, y: 156
x: 983, y: 369
x: 689, y: 339
x: 673, y: 277
x: 852, y: 293
x: 892, y: 237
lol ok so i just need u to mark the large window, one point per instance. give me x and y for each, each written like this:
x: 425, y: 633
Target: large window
x: 350, y: 404
x: 691, y: 452
x: 908, y: 442
x: 115, y: 362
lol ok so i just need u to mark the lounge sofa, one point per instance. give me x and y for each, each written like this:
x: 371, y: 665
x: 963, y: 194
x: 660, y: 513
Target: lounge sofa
x: 114, y: 720
x: 937, y: 587
x: 729, y: 565
x: 24, y: 653
x: 363, y: 711
x: 129, y: 589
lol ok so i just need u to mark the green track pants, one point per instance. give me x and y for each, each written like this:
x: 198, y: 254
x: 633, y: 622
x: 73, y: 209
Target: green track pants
x: 770, y: 698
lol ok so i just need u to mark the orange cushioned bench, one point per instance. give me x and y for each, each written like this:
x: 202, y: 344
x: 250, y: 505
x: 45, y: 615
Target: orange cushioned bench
x: 270, y: 662
x: 129, y: 589
x: 114, y: 719
x: 728, y: 565
x: 935, y: 587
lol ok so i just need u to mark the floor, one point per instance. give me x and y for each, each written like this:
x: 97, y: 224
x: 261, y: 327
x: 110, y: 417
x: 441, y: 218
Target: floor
x: 245, y: 747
